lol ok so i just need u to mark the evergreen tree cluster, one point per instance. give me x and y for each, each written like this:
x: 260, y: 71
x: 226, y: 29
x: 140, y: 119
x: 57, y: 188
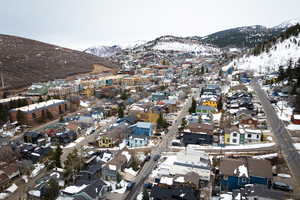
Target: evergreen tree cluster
x: 291, y: 74
x: 4, y: 108
x: 266, y: 45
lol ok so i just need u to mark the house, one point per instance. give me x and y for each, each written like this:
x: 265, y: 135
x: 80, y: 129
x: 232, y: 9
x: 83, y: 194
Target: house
x: 205, y: 109
x: 94, y: 189
x: 32, y: 137
x: 188, y: 161
x: 137, y: 141
x: 8, y: 171
x: 113, y: 167
x: 142, y: 128
x: 252, y: 135
x: 201, y: 128
x: 197, y: 138
x: 233, y: 136
x: 64, y: 137
x: 236, y: 173
x: 4, y: 181
x: 113, y: 136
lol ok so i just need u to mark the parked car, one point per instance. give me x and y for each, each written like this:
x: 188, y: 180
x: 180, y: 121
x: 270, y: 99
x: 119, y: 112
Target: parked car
x: 130, y: 185
x: 148, y: 185
x: 156, y: 157
x: 282, y: 186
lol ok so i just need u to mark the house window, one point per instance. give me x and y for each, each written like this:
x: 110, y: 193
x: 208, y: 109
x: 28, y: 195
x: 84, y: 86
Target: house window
x: 234, y: 134
x: 257, y: 136
x: 234, y: 141
x: 228, y: 139
x: 249, y: 135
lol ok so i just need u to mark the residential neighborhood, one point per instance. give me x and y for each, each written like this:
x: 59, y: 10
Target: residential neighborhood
x: 187, y: 116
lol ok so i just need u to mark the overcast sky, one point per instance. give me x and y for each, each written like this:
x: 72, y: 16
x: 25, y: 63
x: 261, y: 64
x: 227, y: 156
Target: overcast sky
x: 80, y: 24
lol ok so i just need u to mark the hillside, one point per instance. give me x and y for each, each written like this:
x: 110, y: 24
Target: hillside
x: 279, y: 53
x: 241, y: 37
x: 24, y: 61
x: 104, y: 51
x: 247, y: 36
x: 179, y: 44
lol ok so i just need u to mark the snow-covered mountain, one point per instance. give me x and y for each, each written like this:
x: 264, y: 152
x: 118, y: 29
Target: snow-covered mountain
x: 269, y: 61
x: 104, y: 51
x: 287, y: 24
x: 179, y: 44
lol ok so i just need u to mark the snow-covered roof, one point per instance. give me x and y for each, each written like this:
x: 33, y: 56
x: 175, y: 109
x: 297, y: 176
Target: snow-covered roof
x: 74, y: 189
x: 241, y: 171
x: 127, y: 155
x: 11, y: 99
x: 166, y: 180
x: 36, y: 106
x: 112, y: 167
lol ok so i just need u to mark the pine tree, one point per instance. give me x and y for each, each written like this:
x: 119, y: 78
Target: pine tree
x: 40, y: 99
x: 56, y: 155
x: 21, y: 117
x: 51, y: 191
x: 145, y: 194
x: 183, y: 124
x: 220, y: 104
x: 297, y: 103
x: 193, y: 106
x: 120, y: 112
x: 49, y: 114
x: 43, y: 116
x: 3, y: 113
x: 161, y: 122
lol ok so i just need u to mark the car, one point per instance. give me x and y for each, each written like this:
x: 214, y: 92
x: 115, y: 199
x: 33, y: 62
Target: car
x: 148, y: 158
x: 130, y: 185
x: 156, y: 157
x: 148, y: 185
x: 282, y: 186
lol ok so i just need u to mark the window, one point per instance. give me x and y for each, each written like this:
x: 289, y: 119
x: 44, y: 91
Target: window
x: 234, y: 134
x: 249, y: 135
x: 33, y: 115
x: 234, y: 141
x: 257, y: 136
x: 228, y: 139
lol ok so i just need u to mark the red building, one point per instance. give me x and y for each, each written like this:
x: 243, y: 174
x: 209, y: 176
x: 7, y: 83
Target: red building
x: 32, y: 113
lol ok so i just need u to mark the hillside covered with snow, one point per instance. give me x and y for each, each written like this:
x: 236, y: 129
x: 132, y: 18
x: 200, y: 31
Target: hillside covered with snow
x: 104, y: 51
x: 180, y: 44
x: 279, y: 54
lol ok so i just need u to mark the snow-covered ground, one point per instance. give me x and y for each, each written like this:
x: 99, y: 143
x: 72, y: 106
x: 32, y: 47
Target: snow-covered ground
x: 279, y: 55
x: 186, y: 47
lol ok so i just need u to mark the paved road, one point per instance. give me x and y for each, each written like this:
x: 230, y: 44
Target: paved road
x: 162, y: 147
x: 86, y: 140
x: 282, y: 138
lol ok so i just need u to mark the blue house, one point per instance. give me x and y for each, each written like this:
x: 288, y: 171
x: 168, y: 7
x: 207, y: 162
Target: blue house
x: 137, y: 141
x: 236, y: 173
x: 142, y: 128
